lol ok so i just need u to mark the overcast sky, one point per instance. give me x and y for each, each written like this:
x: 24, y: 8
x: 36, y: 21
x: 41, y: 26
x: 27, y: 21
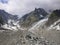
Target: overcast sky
x: 21, y: 7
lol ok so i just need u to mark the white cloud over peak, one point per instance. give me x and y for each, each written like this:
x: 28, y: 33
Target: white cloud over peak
x: 21, y: 7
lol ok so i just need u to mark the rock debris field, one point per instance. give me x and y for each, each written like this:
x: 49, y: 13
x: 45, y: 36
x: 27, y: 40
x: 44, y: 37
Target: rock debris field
x: 22, y: 37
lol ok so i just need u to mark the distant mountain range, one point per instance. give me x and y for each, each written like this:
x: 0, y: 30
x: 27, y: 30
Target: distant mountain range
x: 33, y: 17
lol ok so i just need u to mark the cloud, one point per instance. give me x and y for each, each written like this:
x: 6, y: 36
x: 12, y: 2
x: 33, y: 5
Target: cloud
x: 21, y: 7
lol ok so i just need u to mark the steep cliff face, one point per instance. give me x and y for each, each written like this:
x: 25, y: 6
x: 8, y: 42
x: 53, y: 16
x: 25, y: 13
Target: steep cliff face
x: 32, y: 17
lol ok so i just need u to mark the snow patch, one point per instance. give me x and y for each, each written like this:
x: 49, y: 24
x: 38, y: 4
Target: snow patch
x: 41, y: 16
x: 11, y: 25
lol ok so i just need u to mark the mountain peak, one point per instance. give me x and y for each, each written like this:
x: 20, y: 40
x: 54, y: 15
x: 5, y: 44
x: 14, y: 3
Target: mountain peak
x: 40, y: 11
x: 32, y: 17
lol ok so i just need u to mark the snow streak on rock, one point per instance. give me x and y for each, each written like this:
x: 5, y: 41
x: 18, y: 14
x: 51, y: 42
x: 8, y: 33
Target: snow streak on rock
x: 39, y: 24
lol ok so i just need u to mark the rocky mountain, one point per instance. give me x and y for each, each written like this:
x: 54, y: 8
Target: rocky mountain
x: 6, y: 16
x: 43, y: 32
x: 33, y: 17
